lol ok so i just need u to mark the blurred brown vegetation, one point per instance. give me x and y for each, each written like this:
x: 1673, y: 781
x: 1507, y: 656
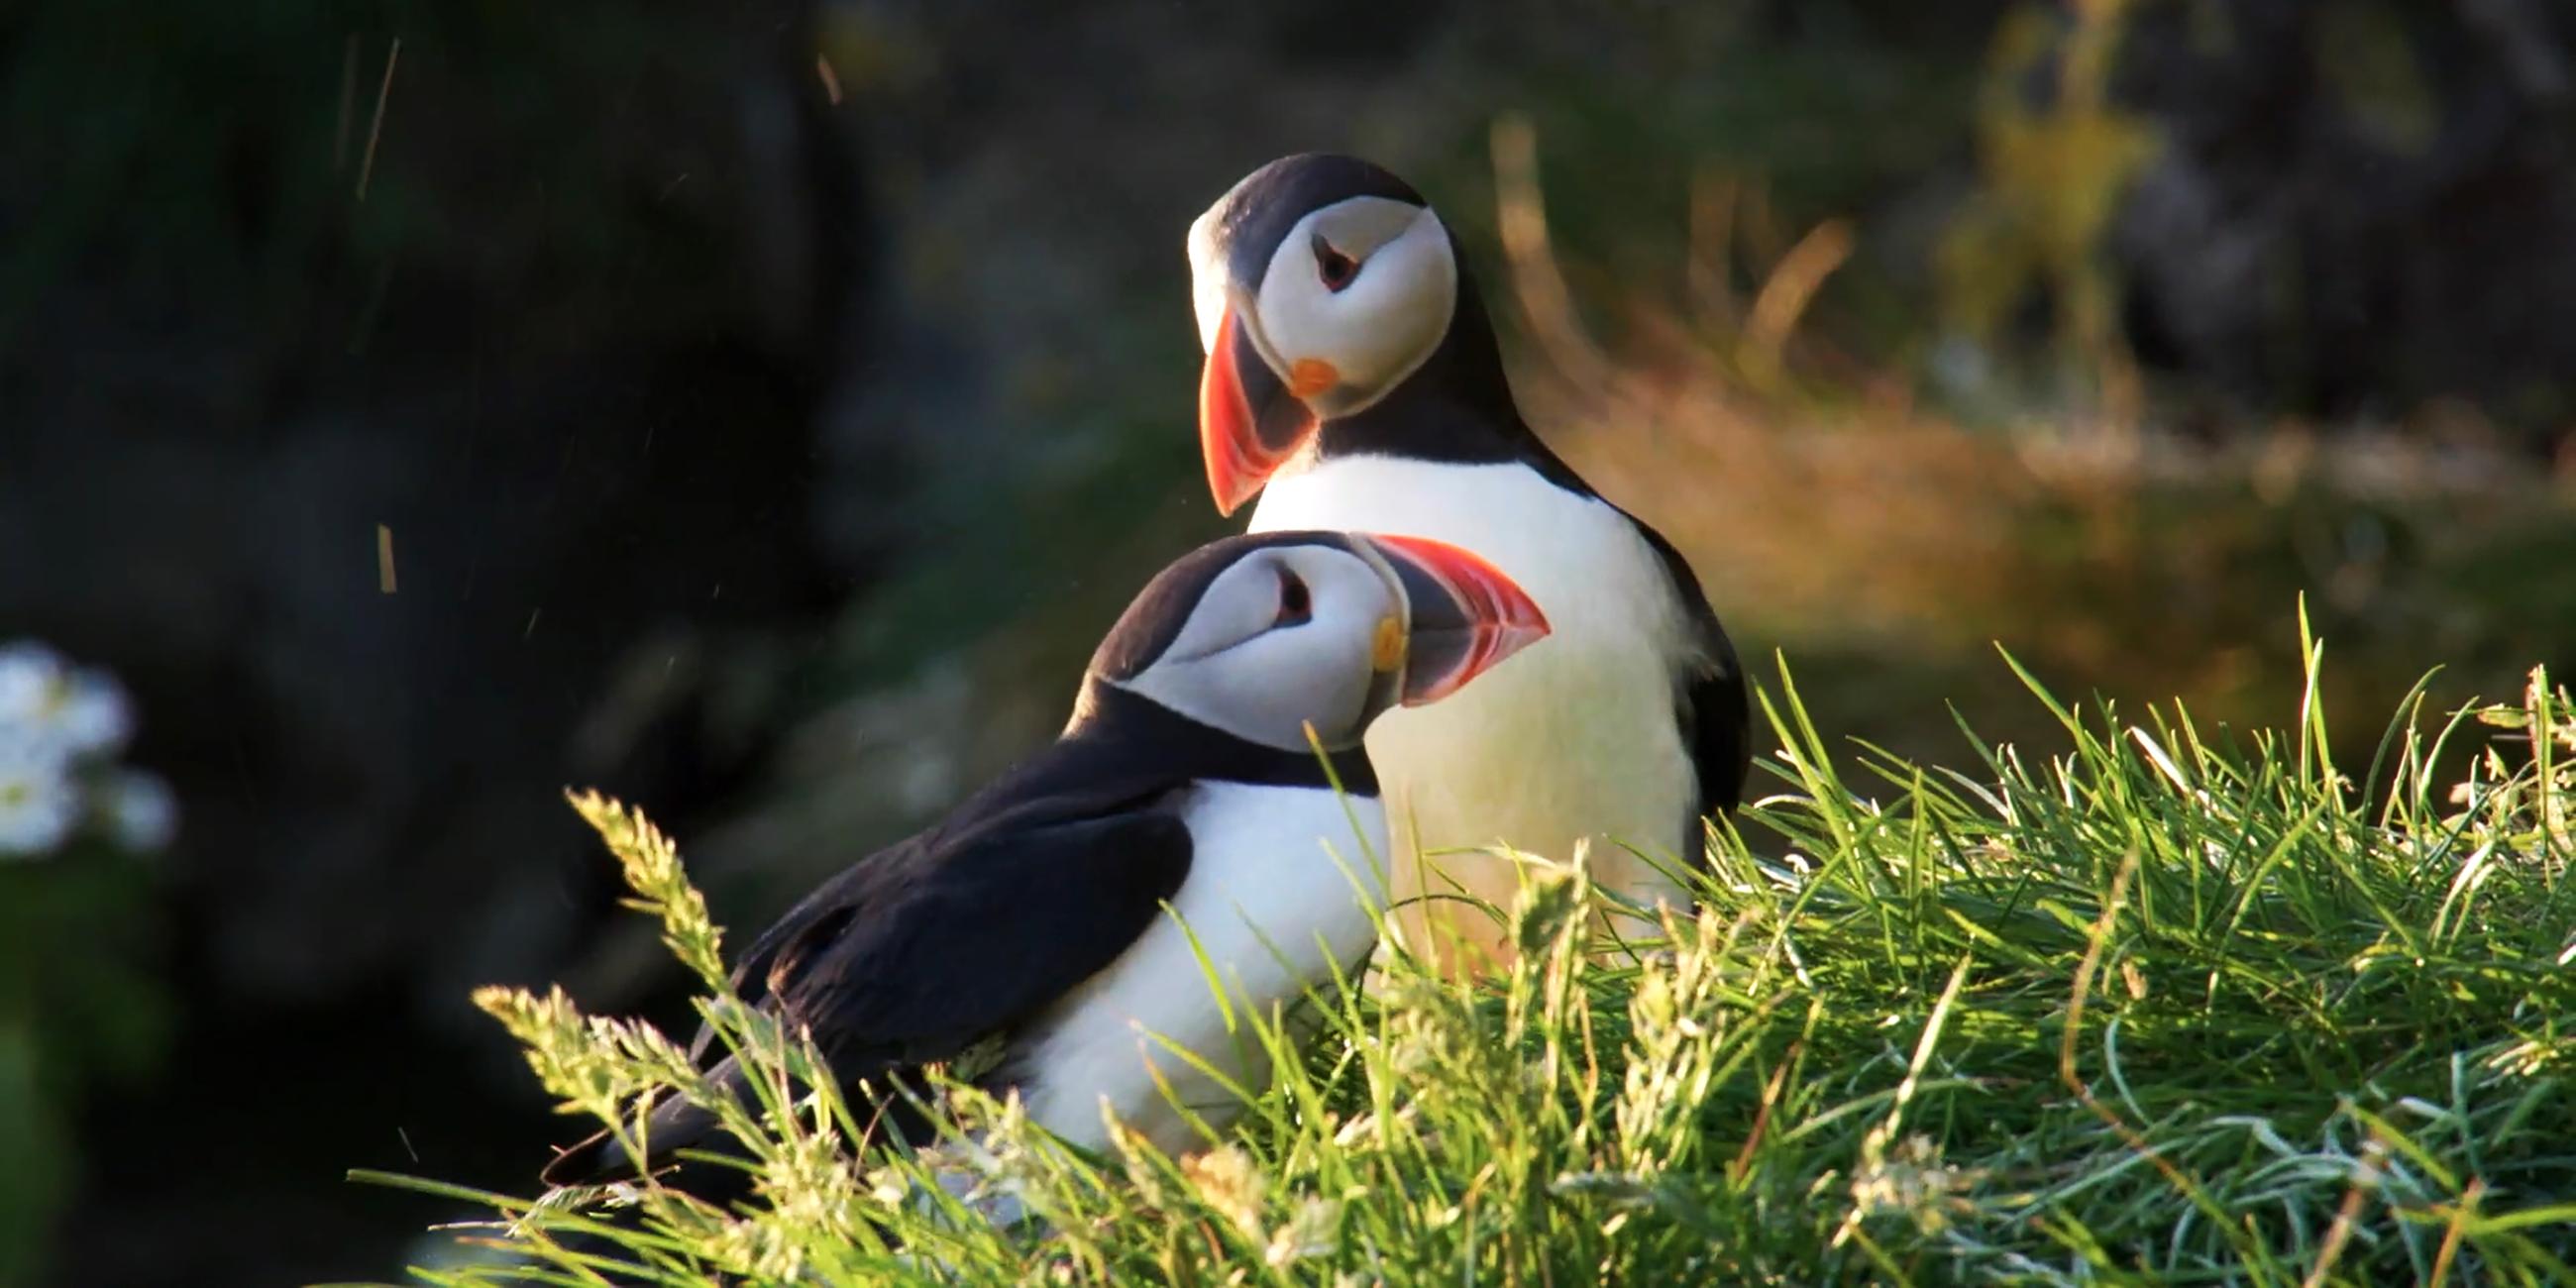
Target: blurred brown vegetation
x: 770, y: 403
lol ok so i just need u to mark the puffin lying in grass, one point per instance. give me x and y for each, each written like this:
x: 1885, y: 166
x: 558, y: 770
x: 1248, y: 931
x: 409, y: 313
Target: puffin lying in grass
x: 1025, y: 939
x: 1353, y: 381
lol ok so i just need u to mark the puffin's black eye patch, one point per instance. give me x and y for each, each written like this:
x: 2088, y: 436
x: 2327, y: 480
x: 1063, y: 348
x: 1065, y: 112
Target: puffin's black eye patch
x: 1333, y: 267
x: 1296, y: 603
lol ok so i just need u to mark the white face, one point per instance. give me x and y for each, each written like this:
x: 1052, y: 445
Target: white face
x: 1286, y: 636
x: 1359, y: 293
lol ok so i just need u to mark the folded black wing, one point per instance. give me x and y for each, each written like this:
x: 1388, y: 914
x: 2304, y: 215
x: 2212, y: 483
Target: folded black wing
x: 1709, y: 695
x: 923, y: 949
x: 988, y: 936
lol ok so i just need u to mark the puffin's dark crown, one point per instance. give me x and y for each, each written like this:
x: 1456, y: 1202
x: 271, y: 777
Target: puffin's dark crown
x: 1256, y: 214
x: 1155, y: 617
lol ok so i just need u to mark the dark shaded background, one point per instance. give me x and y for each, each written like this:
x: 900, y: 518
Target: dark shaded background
x: 769, y: 402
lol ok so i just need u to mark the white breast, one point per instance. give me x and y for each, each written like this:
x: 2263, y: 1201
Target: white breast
x: 1574, y: 737
x: 1278, y: 895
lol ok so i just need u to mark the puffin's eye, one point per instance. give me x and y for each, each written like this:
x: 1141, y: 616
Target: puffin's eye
x: 1296, y: 605
x: 1334, y: 268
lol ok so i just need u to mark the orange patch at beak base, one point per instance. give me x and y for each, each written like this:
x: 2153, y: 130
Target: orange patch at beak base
x: 1308, y: 377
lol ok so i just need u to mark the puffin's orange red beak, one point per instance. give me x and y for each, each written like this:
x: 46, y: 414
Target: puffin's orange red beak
x: 1466, y: 615
x: 1249, y: 421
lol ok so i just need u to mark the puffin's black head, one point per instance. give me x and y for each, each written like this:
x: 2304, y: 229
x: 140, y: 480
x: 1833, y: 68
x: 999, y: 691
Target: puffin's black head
x: 1265, y: 634
x: 1322, y: 282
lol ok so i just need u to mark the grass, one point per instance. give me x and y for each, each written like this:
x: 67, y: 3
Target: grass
x: 2158, y: 1004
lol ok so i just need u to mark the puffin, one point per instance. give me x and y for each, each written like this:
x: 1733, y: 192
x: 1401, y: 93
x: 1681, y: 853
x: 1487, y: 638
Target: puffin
x: 1352, y: 380
x: 1046, y: 938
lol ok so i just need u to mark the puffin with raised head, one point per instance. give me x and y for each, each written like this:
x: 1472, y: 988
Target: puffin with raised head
x: 1353, y: 381
x: 1024, y: 939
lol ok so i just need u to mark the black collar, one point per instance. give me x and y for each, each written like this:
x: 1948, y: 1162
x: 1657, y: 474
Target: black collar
x: 1137, y: 730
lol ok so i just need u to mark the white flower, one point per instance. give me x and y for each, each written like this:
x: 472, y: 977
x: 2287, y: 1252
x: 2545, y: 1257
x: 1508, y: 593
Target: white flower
x: 60, y: 728
x: 38, y: 807
x: 28, y: 674
x: 91, y: 714
x: 141, y: 813
x: 70, y: 712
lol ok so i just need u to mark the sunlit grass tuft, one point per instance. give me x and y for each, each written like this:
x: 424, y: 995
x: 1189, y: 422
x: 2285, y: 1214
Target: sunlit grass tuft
x: 2158, y: 1003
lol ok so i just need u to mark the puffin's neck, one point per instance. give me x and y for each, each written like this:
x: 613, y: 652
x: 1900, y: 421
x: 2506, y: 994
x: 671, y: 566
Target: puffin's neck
x: 1140, y: 728
x: 1456, y: 408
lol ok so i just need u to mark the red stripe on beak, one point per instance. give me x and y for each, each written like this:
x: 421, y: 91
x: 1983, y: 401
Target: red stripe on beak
x: 1249, y: 422
x: 1465, y: 621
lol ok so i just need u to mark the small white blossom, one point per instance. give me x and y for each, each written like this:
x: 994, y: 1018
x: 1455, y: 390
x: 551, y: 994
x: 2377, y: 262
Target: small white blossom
x: 29, y: 673
x: 38, y: 807
x: 69, y: 712
x: 61, y: 727
x: 91, y: 714
x: 142, y: 814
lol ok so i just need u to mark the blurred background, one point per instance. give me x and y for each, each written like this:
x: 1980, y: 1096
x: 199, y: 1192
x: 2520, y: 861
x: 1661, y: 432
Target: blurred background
x: 758, y: 410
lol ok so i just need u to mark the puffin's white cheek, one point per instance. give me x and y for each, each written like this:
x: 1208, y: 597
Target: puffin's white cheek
x: 1300, y: 322
x: 1428, y: 286
x: 1383, y: 335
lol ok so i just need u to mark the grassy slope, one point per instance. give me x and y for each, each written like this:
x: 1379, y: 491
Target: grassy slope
x: 2158, y: 1004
